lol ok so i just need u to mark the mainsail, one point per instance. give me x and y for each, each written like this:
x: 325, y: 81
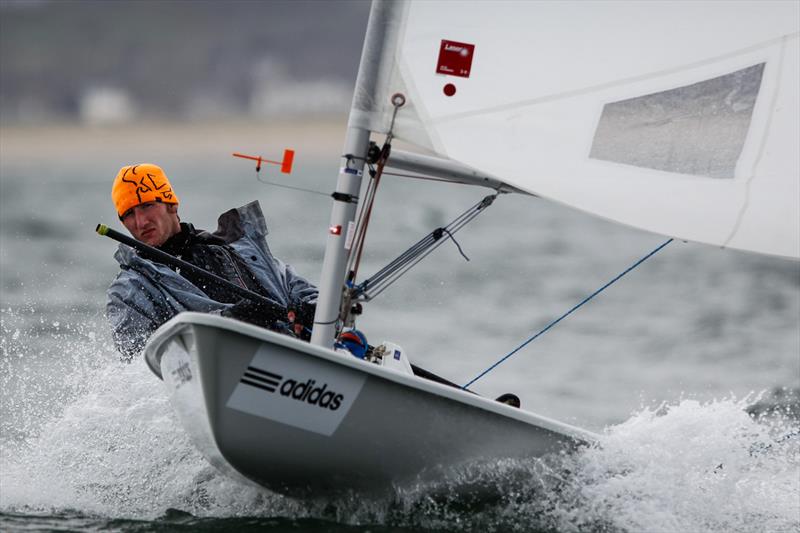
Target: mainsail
x: 680, y: 118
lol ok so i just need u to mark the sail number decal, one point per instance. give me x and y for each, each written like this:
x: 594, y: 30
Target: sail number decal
x: 296, y: 390
x: 455, y: 59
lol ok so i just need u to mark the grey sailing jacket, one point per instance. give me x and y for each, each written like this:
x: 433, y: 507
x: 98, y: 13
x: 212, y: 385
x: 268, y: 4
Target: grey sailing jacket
x: 144, y: 294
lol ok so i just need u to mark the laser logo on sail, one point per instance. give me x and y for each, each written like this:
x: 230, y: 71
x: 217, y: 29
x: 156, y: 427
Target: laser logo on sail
x: 304, y: 391
x: 455, y: 58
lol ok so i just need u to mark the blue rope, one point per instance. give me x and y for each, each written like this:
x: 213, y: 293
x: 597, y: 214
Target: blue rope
x: 565, y: 315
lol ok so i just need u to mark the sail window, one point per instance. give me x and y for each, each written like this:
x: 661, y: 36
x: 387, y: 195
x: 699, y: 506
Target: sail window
x: 695, y: 129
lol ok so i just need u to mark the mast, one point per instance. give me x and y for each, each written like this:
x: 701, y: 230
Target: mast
x: 348, y: 184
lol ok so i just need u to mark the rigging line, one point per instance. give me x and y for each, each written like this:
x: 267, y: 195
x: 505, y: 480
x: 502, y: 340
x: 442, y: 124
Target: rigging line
x: 427, y: 241
x: 565, y: 315
x: 357, y: 237
x: 360, y: 228
x: 430, y: 243
x: 456, y: 243
x: 265, y: 182
x: 364, y: 223
x: 384, y: 284
x: 403, y: 258
x: 375, y: 285
x: 378, y: 283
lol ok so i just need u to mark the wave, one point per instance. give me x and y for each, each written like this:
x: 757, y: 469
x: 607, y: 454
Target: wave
x: 109, y: 446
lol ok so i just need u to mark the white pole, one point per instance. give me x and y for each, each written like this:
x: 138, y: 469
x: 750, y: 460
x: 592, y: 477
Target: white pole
x: 349, y: 183
x: 336, y: 253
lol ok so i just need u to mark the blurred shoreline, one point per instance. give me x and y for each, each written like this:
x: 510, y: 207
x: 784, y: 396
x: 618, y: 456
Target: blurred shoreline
x: 316, y: 138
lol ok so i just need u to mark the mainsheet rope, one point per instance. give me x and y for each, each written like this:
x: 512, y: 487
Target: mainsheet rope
x: 565, y: 315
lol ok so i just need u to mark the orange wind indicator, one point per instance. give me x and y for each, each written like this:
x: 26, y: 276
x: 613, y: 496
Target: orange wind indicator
x: 286, y: 164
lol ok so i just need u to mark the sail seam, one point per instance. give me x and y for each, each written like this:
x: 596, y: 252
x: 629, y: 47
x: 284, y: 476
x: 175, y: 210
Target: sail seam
x: 761, y: 149
x: 607, y: 85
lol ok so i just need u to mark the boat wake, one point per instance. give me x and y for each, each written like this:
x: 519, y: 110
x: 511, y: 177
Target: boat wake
x: 111, y: 449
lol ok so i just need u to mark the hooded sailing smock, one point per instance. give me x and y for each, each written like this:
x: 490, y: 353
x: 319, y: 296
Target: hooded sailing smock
x: 146, y: 294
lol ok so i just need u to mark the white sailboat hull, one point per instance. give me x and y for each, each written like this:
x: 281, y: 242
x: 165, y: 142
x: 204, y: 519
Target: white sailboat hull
x: 300, y: 419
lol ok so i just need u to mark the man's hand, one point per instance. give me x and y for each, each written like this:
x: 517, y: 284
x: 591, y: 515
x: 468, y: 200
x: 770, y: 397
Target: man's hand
x: 301, y: 319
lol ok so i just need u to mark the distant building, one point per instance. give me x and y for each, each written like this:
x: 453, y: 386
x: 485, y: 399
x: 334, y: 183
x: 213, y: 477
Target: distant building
x: 105, y: 105
x: 276, y: 93
x: 301, y: 98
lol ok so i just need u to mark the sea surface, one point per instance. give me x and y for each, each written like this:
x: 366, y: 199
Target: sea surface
x: 688, y: 367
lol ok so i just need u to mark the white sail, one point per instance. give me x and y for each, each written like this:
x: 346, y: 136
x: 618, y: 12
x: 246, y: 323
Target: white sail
x: 679, y: 118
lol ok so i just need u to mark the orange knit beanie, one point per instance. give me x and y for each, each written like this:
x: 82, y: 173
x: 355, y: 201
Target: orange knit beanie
x: 139, y: 184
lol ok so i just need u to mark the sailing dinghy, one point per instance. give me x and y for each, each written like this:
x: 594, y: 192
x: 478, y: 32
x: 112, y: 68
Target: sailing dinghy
x: 303, y: 419
x: 676, y: 118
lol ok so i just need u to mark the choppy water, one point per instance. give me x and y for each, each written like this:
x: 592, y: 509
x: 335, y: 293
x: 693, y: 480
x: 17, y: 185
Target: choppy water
x: 666, y: 364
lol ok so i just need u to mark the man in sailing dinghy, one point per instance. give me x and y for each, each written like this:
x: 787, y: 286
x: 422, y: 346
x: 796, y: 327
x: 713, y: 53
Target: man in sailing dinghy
x: 145, y: 293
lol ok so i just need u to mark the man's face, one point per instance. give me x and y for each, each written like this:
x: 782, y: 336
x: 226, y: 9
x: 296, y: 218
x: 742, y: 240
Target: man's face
x: 152, y: 223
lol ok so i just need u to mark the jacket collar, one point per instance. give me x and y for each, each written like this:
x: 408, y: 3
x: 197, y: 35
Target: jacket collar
x: 232, y: 225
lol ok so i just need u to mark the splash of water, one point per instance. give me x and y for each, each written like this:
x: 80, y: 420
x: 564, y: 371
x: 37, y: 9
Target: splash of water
x: 106, y: 443
x: 688, y: 467
x: 110, y: 446
x: 112, y: 452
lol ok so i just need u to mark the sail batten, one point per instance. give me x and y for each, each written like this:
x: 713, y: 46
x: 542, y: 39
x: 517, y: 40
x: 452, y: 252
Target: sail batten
x: 680, y: 118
